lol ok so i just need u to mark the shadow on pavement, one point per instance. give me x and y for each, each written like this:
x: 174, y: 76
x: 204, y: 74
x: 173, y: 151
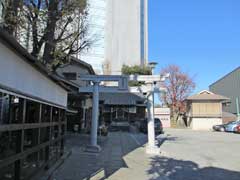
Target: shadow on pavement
x: 162, y: 138
x: 165, y: 168
x: 88, y: 166
x: 173, y: 169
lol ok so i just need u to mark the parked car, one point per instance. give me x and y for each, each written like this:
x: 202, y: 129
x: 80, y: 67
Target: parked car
x: 221, y: 127
x: 237, y: 129
x: 157, y: 125
x: 230, y: 127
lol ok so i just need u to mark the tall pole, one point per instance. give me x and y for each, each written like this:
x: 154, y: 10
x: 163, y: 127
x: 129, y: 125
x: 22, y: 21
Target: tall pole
x: 238, y: 111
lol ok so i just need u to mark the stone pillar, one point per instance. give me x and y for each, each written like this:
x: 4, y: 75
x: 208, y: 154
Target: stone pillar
x: 151, y: 147
x: 95, y: 113
x: 94, y: 124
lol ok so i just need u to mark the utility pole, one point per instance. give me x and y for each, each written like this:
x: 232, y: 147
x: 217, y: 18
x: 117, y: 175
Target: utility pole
x: 237, y: 105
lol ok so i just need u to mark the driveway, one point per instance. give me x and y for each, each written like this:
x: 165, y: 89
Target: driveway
x: 198, y: 155
x: 185, y: 155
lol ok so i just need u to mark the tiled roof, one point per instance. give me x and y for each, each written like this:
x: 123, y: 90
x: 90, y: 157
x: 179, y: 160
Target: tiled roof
x: 122, y: 98
x: 207, y: 95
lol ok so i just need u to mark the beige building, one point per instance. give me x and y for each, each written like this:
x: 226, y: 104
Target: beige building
x: 119, y: 29
x: 205, y: 110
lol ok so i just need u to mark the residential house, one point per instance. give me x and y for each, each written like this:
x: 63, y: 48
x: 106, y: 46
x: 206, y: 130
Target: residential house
x: 205, y: 110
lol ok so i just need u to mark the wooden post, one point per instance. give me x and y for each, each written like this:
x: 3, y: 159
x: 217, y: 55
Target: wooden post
x: 20, y: 142
x: 47, y: 149
x: 62, y: 130
x: 39, y: 130
x: 10, y: 110
x: 59, y: 132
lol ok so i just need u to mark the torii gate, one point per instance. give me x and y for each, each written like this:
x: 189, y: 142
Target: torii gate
x: 149, y: 88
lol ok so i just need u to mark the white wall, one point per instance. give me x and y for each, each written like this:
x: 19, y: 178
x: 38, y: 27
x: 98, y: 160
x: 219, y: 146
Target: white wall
x: 204, y: 123
x: 17, y: 74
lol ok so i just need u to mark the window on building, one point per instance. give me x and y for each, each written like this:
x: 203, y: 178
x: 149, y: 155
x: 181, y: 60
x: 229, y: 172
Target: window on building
x: 46, y: 113
x: 16, y: 110
x: 8, y: 143
x: 55, y: 115
x: 7, y: 172
x: 30, y: 138
x: 30, y: 166
x: 4, y: 108
x: 10, y: 109
x: 44, y: 134
x: 70, y: 75
x: 62, y: 115
x: 32, y: 112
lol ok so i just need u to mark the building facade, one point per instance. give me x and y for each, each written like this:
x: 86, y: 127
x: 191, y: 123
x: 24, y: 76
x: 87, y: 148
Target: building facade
x: 229, y: 86
x: 120, y: 32
x: 32, y: 114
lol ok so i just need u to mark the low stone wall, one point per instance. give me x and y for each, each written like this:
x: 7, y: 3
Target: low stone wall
x: 164, y: 115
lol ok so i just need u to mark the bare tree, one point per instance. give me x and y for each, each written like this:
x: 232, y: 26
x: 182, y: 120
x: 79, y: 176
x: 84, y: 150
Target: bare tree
x: 179, y: 86
x: 55, y: 30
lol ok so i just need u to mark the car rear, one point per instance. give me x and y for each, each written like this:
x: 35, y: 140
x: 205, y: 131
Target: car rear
x: 237, y: 129
x: 231, y: 127
x: 158, y: 126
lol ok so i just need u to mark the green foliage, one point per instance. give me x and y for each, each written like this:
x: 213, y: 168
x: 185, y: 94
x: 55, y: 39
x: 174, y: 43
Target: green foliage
x: 139, y: 70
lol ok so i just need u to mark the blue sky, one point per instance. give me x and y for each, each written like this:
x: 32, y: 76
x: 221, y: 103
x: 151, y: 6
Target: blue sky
x: 201, y: 36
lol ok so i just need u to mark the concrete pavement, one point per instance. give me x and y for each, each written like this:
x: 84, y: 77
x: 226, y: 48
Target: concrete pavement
x: 186, y: 155
x: 116, y: 161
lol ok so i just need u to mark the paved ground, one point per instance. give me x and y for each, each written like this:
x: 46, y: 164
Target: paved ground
x: 199, y: 155
x: 186, y: 155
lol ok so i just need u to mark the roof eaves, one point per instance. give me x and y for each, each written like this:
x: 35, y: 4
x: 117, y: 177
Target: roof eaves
x: 83, y: 63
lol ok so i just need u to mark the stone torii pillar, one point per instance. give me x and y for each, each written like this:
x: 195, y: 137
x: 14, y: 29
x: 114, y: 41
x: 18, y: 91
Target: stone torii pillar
x: 151, y: 130
x: 95, y: 114
x: 149, y: 88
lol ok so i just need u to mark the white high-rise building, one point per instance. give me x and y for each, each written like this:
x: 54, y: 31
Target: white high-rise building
x: 120, y: 31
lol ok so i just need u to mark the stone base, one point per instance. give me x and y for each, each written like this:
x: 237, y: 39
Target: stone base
x: 93, y: 149
x: 153, y: 150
